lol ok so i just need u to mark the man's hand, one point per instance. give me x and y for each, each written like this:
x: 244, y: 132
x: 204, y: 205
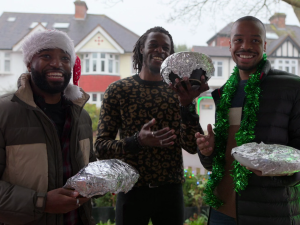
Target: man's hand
x: 161, y: 138
x: 62, y: 201
x: 186, y: 96
x: 206, y: 143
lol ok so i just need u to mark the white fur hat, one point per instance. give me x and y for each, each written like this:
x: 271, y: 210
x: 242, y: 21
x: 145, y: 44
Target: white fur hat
x: 47, y: 39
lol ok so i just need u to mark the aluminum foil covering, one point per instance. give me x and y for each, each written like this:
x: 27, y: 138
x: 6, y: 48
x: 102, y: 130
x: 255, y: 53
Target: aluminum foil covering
x: 271, y: 159
x: 184, y: 63
x: 100, y: 177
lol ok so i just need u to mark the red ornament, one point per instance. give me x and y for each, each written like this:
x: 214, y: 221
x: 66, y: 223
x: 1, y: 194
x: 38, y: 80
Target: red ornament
x: 76, y: 71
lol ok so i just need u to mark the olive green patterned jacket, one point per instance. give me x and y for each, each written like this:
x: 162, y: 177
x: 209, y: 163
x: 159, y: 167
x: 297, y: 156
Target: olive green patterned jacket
x: 31, y: 160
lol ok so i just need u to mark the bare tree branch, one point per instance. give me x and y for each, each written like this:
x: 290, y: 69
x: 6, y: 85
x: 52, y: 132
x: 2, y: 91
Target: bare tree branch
x: 193, y: 11
x: 295, y: 3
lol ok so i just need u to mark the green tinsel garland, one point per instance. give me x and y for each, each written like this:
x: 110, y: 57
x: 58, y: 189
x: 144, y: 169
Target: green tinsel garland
x: 245, y: 134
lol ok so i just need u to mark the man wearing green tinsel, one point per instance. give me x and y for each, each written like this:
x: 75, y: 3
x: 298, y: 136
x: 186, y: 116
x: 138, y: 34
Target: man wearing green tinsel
x: 257, y: 104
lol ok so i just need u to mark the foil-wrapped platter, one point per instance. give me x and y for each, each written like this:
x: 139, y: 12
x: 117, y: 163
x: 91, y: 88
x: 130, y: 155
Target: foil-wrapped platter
x: 103, y: 176
x: 270, y: 159
x: 187, y: 64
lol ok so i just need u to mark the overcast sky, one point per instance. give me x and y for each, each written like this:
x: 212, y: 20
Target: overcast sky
x: 140, y: 15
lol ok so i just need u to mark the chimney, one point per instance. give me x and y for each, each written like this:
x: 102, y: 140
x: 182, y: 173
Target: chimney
x: 80, y: 9
x: 278, y: 19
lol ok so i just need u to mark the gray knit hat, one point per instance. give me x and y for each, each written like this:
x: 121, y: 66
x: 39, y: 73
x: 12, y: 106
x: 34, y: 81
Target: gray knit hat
x: 48, y: 39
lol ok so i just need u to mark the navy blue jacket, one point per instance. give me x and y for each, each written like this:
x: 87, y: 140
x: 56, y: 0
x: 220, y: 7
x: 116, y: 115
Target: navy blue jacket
x: 271, y: 200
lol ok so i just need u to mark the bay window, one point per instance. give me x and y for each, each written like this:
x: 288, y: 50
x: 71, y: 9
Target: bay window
x: 100, y: 63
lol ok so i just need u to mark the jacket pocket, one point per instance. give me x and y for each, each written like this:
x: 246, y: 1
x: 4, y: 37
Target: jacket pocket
x: 85, y: 149
x: 27, y: 166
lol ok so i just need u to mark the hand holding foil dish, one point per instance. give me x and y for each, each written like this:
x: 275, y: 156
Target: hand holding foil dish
x: 100, y: 177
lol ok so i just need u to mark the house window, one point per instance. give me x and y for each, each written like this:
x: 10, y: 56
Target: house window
x: 5, y: 62
x: 101, y: 63
x: 11, y: 19
x: 117, y: 63
x: 94, y: 97
x: 87, y: 63
x: 95, y: 56
x: 288, y: 65
x: 218, y: 69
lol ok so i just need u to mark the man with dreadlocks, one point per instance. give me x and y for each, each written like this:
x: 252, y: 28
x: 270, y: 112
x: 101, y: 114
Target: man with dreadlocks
x: 153, y: 129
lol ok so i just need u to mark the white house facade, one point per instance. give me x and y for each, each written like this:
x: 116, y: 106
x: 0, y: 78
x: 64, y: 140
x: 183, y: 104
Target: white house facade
x: 104, y: 46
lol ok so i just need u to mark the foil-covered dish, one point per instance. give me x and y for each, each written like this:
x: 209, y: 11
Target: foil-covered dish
x: 270, y: 159
x: 187, y: 64
x: 103, y: 176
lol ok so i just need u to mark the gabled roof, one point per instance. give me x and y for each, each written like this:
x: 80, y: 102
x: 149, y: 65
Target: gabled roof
x: 13, y: 32
x: 213, y: 51
x: 18, y: 45
x: 290, y: 30
x: 277, y: 43
x: 225, y: 31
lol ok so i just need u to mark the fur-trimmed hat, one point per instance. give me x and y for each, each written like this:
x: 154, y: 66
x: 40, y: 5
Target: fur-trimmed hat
x: 47, y: 39
x: 51, y: 39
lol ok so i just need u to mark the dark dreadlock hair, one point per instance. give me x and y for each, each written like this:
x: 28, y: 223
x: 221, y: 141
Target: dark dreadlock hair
x: 137, y: 56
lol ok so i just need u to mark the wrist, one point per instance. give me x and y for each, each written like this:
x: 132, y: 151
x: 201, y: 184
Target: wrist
x: 137, y: 140
x: 190, y: 107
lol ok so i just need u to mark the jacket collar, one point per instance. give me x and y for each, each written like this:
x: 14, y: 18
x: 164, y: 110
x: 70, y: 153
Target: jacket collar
x: 264, y: 73
x: 25, y: 94
x: 265, y: 70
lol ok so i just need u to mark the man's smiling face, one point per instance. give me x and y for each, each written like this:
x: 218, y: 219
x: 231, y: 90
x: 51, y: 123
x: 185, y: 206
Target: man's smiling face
x: 51, y: 70
x: 156, y: 49
x: 247, y: 44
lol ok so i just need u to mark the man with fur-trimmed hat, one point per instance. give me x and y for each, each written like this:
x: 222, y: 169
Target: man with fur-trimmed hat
x: 45, y: 137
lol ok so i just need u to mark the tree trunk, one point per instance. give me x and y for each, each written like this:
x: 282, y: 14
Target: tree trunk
x: 297, y: 12
x: 294, y: 3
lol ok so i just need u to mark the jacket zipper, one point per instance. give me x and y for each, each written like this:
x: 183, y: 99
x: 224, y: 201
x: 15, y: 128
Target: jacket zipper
x: 55, y: 136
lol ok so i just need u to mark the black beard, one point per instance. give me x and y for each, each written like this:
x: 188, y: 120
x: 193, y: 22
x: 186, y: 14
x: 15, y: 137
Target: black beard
x: 249, y: 68
x: 154, y: 70
x: 40, y: 81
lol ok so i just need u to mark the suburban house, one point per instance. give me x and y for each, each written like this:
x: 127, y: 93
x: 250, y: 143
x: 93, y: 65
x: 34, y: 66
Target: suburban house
x: 104, y: 46
x: 283, y: 51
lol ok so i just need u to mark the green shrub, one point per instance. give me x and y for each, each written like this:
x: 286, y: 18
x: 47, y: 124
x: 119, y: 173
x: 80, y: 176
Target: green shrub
x: 106, y: 201
x: 107, y: 223
x: 196, y: 220
x: 193, y: 188
x: 94, y: 113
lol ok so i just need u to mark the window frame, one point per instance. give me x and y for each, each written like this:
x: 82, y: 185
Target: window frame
x: 108, y: 59
x: 5, y: 57
x: 99, y: 98
x: 215, y: 63
x: 283, y: 63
